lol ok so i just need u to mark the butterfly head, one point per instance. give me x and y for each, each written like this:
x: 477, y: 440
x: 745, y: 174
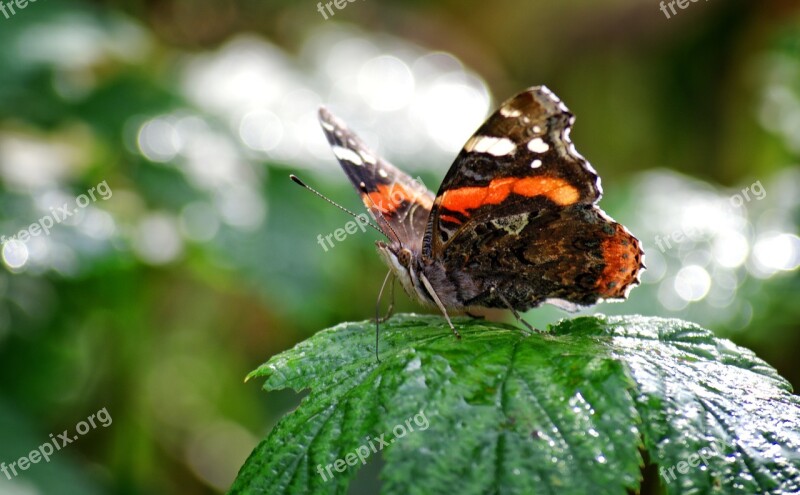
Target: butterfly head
x: 402, y: 262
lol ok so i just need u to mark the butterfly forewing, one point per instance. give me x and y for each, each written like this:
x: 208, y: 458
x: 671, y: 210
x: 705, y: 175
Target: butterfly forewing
x: 516, y: 215
x: 400, y: 205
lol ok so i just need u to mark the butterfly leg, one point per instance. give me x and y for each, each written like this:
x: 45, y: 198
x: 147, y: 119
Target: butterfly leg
x: 390, y: 310
x: 438, y: 302
x: 513, y: 311
x: 378, y: 318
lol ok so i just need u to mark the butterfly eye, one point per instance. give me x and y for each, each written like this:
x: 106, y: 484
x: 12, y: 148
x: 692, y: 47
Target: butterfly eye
x: 404, y: 257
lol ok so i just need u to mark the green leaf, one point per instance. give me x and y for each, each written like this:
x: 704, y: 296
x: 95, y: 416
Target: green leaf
x: 568, y: 411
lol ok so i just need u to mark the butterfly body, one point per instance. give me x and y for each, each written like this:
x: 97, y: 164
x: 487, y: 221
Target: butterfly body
x: 514, y: 224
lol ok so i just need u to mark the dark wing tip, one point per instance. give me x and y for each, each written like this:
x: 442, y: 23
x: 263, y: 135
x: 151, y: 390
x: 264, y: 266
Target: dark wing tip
x: 537, y: 100
x: 336, y: 130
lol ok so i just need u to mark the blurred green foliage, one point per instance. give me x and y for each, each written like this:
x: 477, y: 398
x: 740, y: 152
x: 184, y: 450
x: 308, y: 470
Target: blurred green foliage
x: 156, y: 302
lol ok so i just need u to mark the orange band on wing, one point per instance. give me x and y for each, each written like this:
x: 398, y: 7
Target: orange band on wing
x: 555, y: 189
x: 389, y: 197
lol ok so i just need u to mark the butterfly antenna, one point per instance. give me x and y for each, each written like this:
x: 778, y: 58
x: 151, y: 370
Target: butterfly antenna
x: 364, y: 190
x: 334, y: 203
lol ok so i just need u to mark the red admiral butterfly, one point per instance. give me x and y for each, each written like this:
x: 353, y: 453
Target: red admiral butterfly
x: 515, y: 223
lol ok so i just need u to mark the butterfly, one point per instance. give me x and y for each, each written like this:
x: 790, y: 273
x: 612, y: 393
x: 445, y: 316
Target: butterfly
x: 515, y: 223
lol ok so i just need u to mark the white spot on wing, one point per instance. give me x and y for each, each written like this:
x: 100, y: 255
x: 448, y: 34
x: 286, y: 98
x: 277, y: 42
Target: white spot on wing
x: 536, y: 163
x: 347, y: 155
x: 537, y: 145
x: 383, y: 173
x: 509, y: 111
x: 368, y: 158
x: 503, y: 147
x: 492, y: 145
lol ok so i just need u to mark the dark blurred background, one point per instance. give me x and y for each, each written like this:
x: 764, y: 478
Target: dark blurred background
x: 155, y: 302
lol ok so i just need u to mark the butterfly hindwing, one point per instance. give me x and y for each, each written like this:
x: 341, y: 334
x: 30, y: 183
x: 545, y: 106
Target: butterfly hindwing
x: 572, y: 256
